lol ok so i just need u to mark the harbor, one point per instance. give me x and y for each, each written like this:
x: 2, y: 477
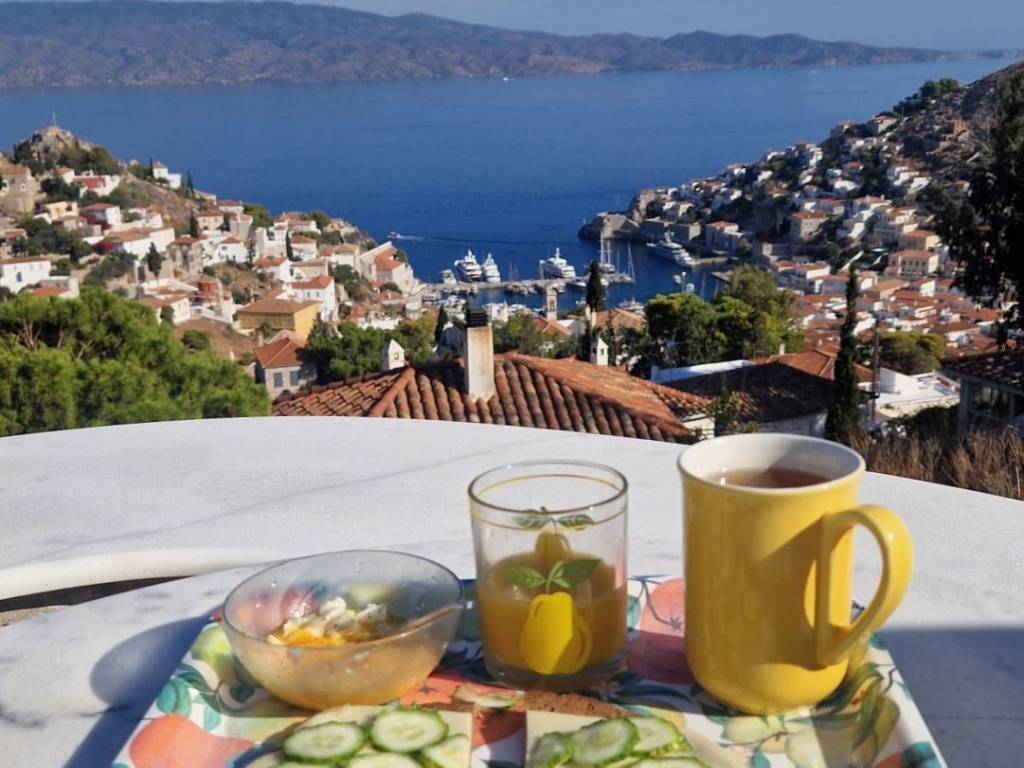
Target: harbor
x: 631, y: 273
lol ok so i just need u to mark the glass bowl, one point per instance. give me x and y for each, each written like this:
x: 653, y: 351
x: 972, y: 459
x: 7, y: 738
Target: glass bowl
x: 372, y: 672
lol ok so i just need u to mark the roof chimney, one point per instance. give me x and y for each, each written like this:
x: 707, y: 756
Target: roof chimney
x: 478, y: 351
x: 394, y: 356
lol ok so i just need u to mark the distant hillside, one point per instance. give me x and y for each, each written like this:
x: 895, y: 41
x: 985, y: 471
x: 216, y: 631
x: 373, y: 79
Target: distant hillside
x: 123, y: 42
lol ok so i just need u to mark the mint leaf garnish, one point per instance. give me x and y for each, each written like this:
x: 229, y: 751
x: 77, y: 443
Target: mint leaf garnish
x: 523, y: 576
x: 574, y: 521
x: 577, y: 571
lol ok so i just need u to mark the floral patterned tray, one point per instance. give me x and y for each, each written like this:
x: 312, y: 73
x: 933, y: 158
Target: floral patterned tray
x: 210, y: 715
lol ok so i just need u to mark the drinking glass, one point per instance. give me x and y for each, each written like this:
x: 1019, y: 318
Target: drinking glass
x: 550, y: 545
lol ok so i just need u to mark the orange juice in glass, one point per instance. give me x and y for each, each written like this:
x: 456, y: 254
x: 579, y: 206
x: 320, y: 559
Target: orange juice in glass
x: 550, y: 544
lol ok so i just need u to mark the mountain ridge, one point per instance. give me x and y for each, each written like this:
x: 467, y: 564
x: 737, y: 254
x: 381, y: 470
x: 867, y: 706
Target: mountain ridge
x: 132, y: 43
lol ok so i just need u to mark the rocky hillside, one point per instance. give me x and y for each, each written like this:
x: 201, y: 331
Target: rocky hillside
x: 51, y: 147
x: 925, y: 130
x: 125, y: 42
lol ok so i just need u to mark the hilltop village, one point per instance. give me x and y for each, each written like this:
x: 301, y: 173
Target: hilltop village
x: 869, y: 193
x: 70, y: 214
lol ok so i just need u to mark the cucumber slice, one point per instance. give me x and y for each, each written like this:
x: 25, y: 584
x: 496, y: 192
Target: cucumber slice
x: 656, y: 736
x: 325, y: 744
x: 486, y: 700
x: 382, y: 761
x: 552, y: 750
x: 453, y: 752
x: 403, y: 730
x: 668, y: 762
x: 604, y: 742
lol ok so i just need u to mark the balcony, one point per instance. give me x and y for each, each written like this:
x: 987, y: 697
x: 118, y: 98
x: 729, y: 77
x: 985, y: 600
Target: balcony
x: 209, y: 499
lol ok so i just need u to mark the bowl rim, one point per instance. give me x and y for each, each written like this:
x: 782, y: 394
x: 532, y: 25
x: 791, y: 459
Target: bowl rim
x: 460, y: 599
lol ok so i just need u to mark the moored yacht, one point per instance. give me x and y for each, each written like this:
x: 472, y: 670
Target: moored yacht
x: 557, y: 267
x: 667, y: 248
x: 491, y: 273
x: 468, y: 268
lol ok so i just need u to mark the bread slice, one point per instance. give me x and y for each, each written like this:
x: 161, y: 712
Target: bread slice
x: 571, y: 704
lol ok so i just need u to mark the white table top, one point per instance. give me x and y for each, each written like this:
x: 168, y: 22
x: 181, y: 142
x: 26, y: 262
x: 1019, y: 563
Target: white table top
x: 99, y: 505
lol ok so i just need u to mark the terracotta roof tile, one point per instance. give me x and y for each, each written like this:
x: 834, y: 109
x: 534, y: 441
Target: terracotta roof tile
x: 768, y: 392
x: 280, y: 353
x: 1004, y: 368
x: 536, y: 392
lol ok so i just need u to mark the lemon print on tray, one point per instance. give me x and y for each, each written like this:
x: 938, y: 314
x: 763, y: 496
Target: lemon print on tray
x: 555, y: 638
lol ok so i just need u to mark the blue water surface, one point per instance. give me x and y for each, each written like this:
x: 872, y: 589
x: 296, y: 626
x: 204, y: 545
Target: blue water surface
x: 510, y: 167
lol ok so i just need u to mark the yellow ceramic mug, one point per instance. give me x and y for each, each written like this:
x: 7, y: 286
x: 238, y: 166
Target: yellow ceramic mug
x: 769, y: 570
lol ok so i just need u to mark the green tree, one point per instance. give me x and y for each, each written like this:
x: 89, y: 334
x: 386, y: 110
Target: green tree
x: 189, y: 184
x: 416, y: 337
x: 193, y: 225
x: 101, y: 359
x: 353, y: 284
x: 910, y: 352
x: 775, y: 322
x: 595, y: 288
x: 442, y: 322
x: 521, y: 333
x: 843, y: 422
x: 321, y: 219
x: 58, y: 190
x: 115, y: 264
x: 873, y: 174
x: 154, y: 260
x: 288, y: 250
x: 265, y: 331
x: 250, y: 253
x: 685, y: 328
x: 42, y: 237
x: 196, y: 341
x: 726, y: 409
x: 735, y: 323
x: 260, y: 215
x: 986, y: 232
x: 167, y: 316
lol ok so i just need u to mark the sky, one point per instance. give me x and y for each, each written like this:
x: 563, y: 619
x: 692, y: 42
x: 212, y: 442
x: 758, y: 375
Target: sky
x: 940, y: 24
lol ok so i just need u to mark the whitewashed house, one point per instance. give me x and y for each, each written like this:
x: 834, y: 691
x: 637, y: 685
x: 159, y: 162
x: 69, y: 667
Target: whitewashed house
x: 319, y: 289
x: 22, y: 271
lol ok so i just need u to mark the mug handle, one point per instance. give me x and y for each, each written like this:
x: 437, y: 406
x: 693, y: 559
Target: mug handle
x: 833, y: 643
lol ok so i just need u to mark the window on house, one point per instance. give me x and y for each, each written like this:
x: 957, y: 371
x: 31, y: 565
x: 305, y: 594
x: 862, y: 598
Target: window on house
x: 293, y: 378
x: 278, y: 380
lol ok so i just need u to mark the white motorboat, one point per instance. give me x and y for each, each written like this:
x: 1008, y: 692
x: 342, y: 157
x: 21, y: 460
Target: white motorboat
x: 448, y: 277
x: 557, y: 267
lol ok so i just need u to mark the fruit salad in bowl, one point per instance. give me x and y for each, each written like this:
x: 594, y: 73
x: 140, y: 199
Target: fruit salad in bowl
x: 354, y: 627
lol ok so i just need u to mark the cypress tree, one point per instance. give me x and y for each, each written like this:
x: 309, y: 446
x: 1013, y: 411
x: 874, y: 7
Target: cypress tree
x: 154, y: 260
x: 595, y: 289
x: 193, y: 224
x: 442, y: 321
x: 844, y: 417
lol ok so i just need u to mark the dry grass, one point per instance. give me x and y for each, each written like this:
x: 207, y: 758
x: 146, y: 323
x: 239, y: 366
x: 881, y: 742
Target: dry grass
x: 989, y: 462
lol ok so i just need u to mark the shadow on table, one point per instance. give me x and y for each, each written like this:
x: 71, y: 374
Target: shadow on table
x: 969, y: 686
x: 128, y: 678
